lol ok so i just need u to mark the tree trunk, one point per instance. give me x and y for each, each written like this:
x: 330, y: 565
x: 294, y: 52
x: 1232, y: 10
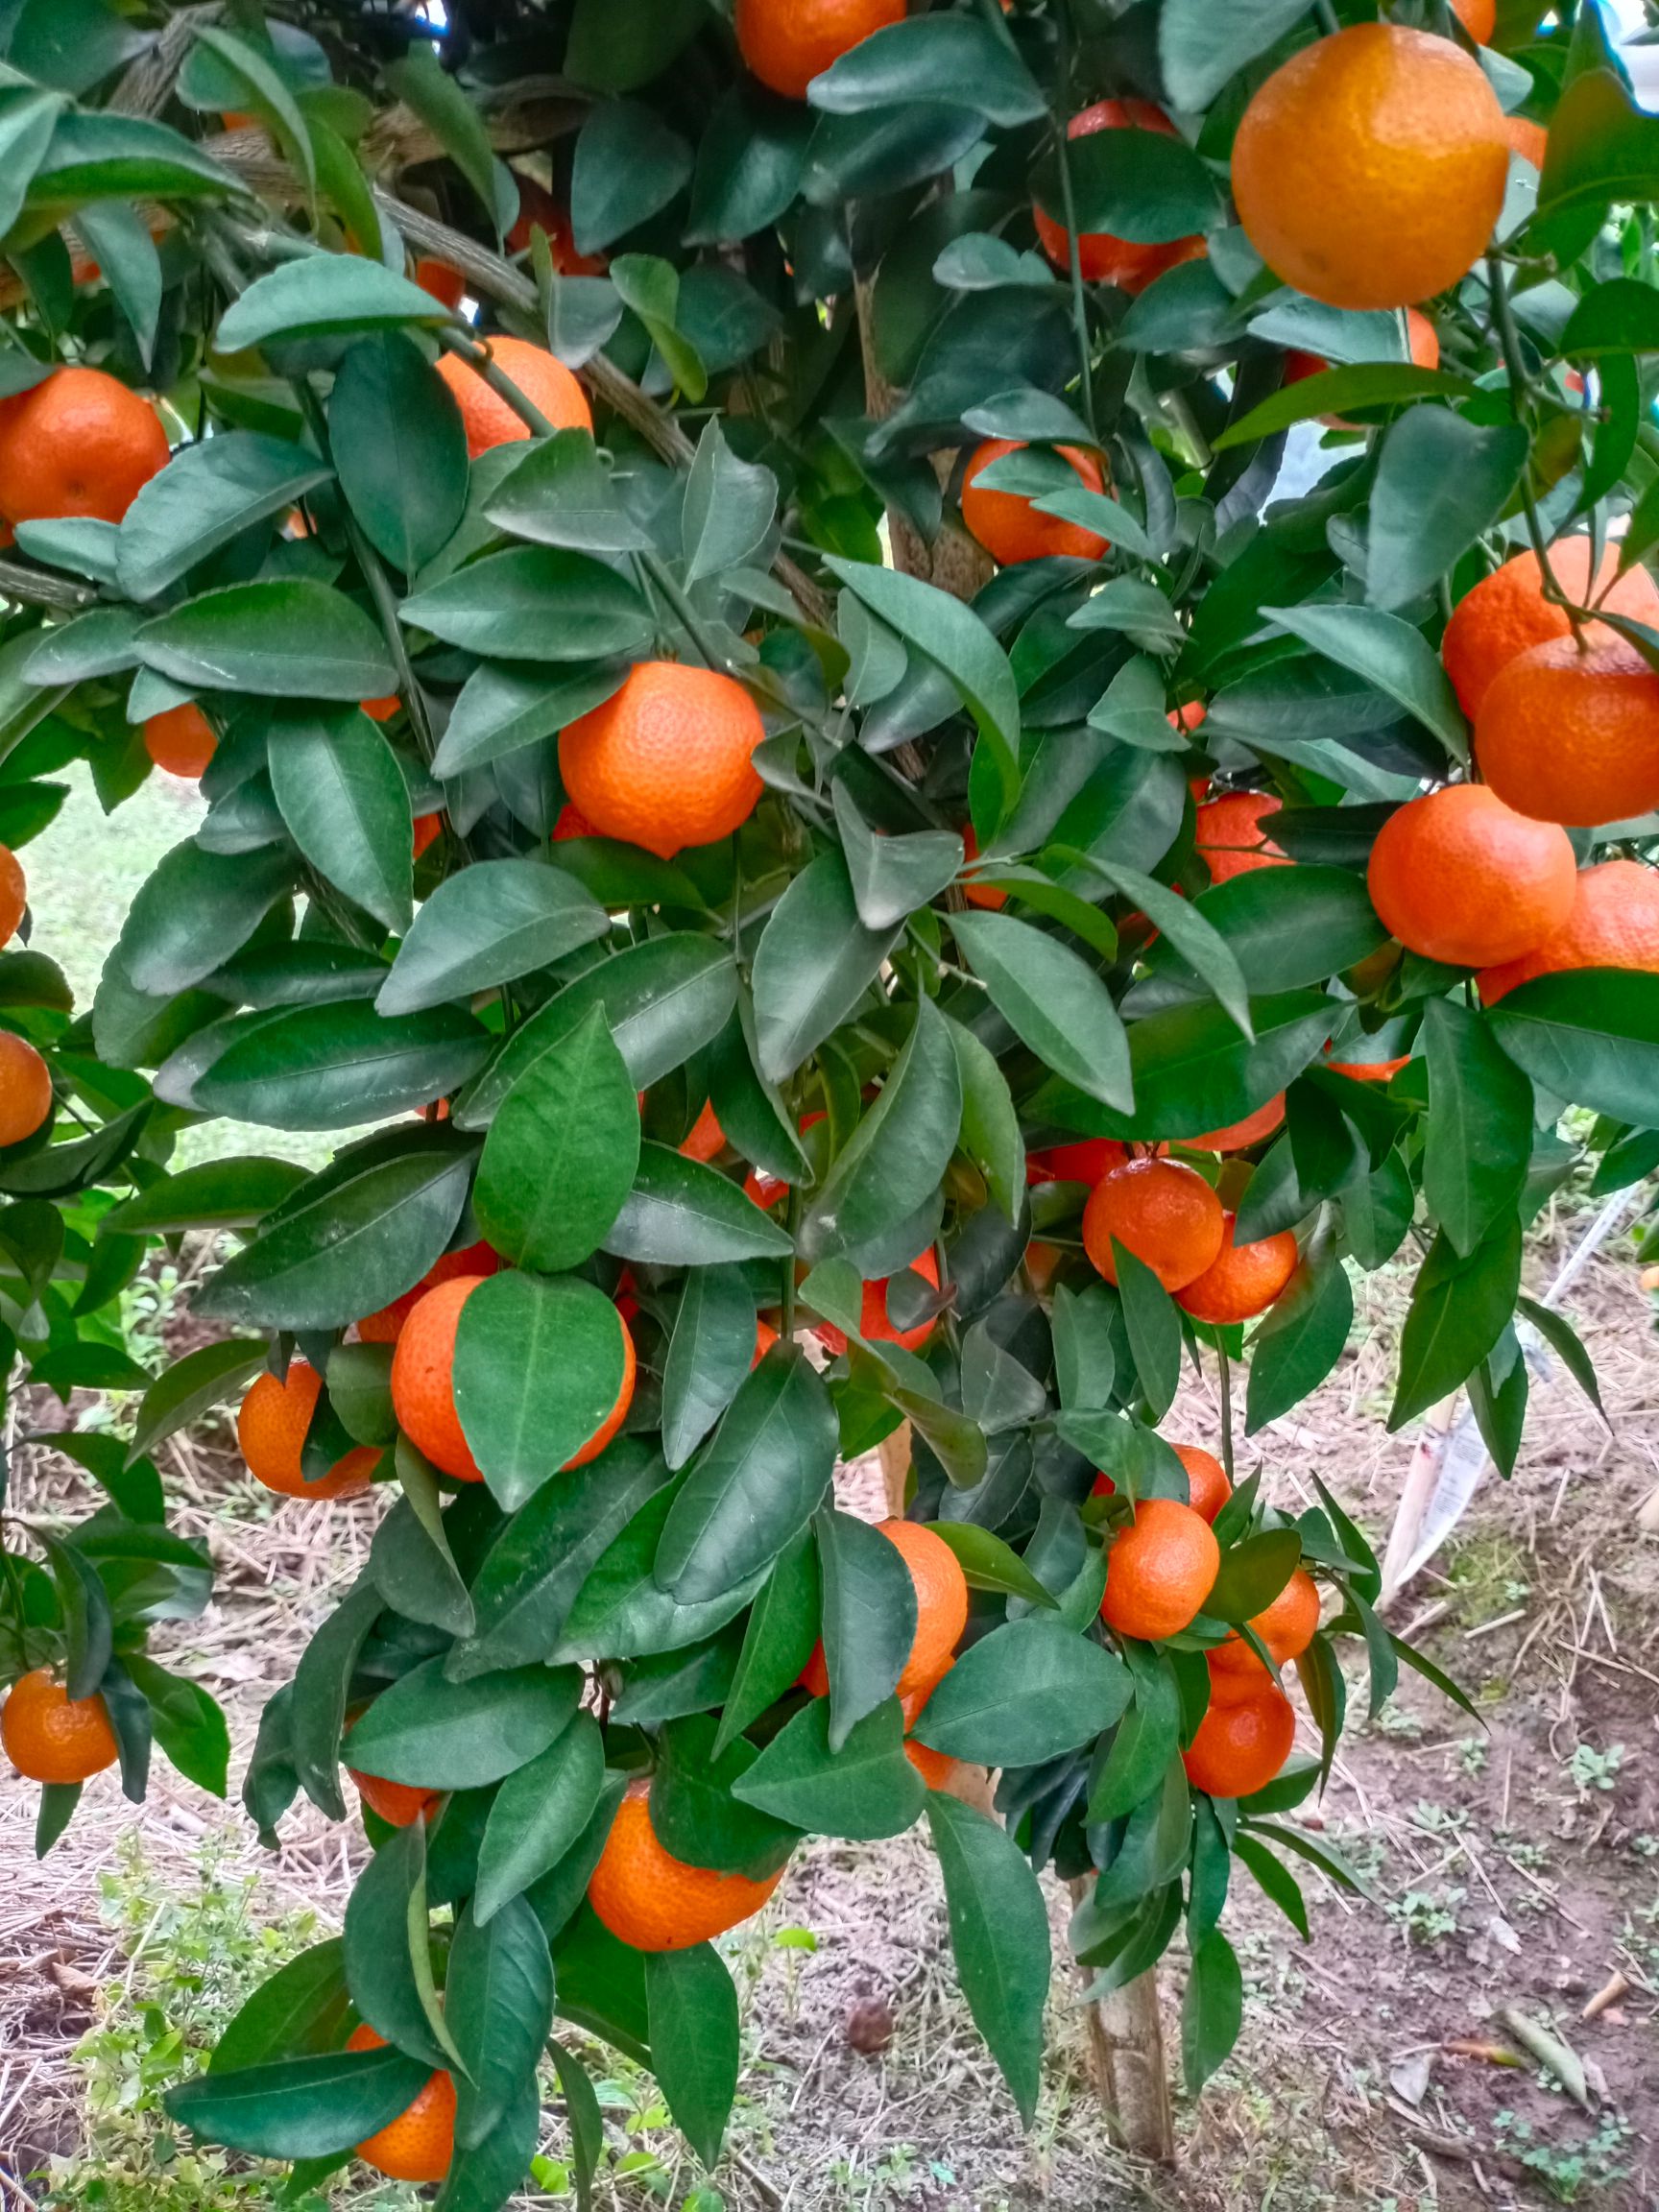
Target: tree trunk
x: 1126, y: 2061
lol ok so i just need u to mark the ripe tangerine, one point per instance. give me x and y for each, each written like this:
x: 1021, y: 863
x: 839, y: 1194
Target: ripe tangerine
x: 941, y: 1612
x: 181, y: 741
x: 1243, y: 1281
x: 655, y: 1902
x: 1565, y: 735
x: 1459, y: 876
x: 1230, y: 838
x: 1614, y: 923
x: 1241, y: 1746
x: 540, y: 375
x: 272, y: 1427
x: 1102, y: 258
x: 418, y: 2145
x: 788, y: 43
x: 1163, y: 1212
x: 1010, y: 528
x: 1506, y: 613
x: 875, y: 1323
x: 667, y: 761
x: 81, y: 442
x: 51, y: 1736
x: 1159, y: 1570
x: 25, y: 1088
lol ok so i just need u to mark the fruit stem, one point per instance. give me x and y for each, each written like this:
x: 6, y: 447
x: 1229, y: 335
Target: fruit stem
x: 684, y: 614
x: 483, y: 362
x: 1509, y: 339
x: 1226, y: 1372
x: 1069, y: 206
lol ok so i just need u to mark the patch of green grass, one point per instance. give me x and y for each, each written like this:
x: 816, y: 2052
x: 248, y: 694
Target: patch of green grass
x: 1568, y: 2171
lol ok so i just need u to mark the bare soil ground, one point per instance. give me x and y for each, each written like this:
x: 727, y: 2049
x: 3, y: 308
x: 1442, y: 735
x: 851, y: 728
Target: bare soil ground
x: 1515, y: 1867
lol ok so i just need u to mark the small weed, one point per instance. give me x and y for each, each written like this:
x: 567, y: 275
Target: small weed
x: 1644, y: 1845
x: 1568, y: 2173
x: 1426, y: 1916
x: 1398, y: 1723
x: 1592, y: 1769
x: 1473, y: 1753
x: 1433, y: 1820
x: 1489, y: 1575
x: 1526, y: 1852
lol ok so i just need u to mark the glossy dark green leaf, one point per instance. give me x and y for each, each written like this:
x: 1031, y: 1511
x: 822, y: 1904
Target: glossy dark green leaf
x: 758, y: 1483
x: 184, y: 1391
x: 869, y: 1618
x: 1154, y: 1327
x: 347, y: 808
x: 1591, y: 1037
x: 1134, y: 183
x: 326, y: 295
x: 1252, y: 1573
x: 897, y: 1156
x: 532, y: 1573
x: 814, y: 963
x: 1193, y: 1071
x: 699, y: 1813
x: 893, y: 875
x: 561, y: 493
x: 349, y: 1249
x: 1147, y: 1739
x: 1286, y: 927
x: 1199, y: 51
x: 561, y: 1152
x: 779, y: 1638
x: 539, y: 1814
x: 207, y: 494
x: 186, y: 1723
x: 1301, y: 1340
x: 220, y: 1194
x: 1441, y: 481
x: 194, y: 912
x: 26, y: 119
x: 300, y: 2009
x: 692, y: 2008
x: 663, y: 1002
x: 490, y: 924
x: 300, y: 2107
x: 1276, y: 1881
x: 1559, y: 1334
x: 388, y: 1939
x: 395, y: 436
x: 539, y: 1367
x: 681, y: 1214
x: 629, y: 165
x: 1000, y: 1935
x: 1459, y: 1308
x: 277, y: 638
x: 1390, y: 655
x: 866, y: 1789
x: 441, y: 1735
x: 1478, y: 1134
x: 711, y: 1351
x: 538, y: 602
x: 988, y: 1563
x: 502, y: 709
x: 498, y: 2001
x: 1054, y: 1002
x: 622, y: 1608
x: 1030, y: 1691
x: 1192, y: 935
x: 729, y: 510
x: 990, y: 1134
x: 98, y: 155
x: 1340, y: 391
x: 1212, y: 2009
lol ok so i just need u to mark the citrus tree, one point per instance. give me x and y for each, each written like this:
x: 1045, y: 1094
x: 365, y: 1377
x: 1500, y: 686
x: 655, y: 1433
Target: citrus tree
x: 765, y: 733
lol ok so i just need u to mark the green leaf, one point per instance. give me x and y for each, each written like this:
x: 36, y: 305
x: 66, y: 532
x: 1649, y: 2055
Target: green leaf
x: 1340, y: 392
x: 990, y: 1133
x: 498, y: 2001
x: 629, y: 165
x: 1148, y: 1738
x: 502, y: 710
x: 681, y: 1214
x: 186, y: 1722
x: 892, y: 877
x: 27, y: 121
x: 59, y: 1801
x: 779, y: 1638
x: 348, y: 1248
x: 663, y: 1002
x: 1193, y: 1071
x: 710, y: 1352
x: 562, y: 1153
x: 1591, y: 1037
x: 488, y: 925
x: 1190, y: 932
x: 1442, y: 480
x: 539, y: 1367
x: 344, y: 799
x: 1477, y: 1133
x: 1137, y: 185
x: 388, y: 1946
x: 1212, y: 2009
x: 692, y: 2009
x: 1459, y: 1308
x: 617, y: 46
x: 869, y: 1618
x: 814, y: 963
x: 218, y: 1194
x: 207, y: 494
x: 957, y: 59
x: 1054, y: 1002
x: 622, y: 1608
x: 1603, y: 148
x: 584, y: 2119
x: 277, y: 638
x: 1198, y: 51
x: 455, y: 121
x: 1252, y: 1573
x: 99, y: 155
x: 326, y: 295
x: 395, y: 436
x: 730, y: 505
x: 697, y: 1812
x: 194, y: 912
x: 300, y: 2107
x: 750, y: 162
x: 1620, y: 315
x: 1564, y: 1340
x: 1300, y: 1341
x: 897, y: 1156
x: 999, y: 1934
x: 757, y: 1485
x: 1030, y: 1692
x: 866, y: 1789
x: 185, y: 1390
x: 530, y: 1577
x: 1275, y: 1881
x: 953, y: 640
x: 1285, y: 928
x: 302, y: 2008
x: 561, y: 493
x: 990, y: 1564
x: 1153, y: 1323
x: 1390, y: 655
x: 537, y: 603
x: 436, y: 1733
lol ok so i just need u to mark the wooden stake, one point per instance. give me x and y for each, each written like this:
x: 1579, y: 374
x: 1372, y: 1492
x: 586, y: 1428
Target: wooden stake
x: 1127, y: 2062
